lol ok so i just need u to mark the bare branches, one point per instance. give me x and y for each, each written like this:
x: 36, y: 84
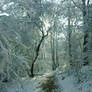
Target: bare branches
x: 48, y: 31
x: 38, y: 47
x: 76, y: 5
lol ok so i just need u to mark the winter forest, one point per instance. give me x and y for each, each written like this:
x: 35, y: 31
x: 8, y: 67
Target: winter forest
x: 45, y: 45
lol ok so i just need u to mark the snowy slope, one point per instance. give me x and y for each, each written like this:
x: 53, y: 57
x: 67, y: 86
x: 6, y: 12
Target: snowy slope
x: 64, y: 82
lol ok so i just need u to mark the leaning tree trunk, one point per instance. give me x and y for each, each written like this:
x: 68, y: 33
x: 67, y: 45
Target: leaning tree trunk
x: 38, y: 49
x: 37, y: 54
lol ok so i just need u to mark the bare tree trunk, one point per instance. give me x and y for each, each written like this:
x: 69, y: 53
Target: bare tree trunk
x: 37, y: 54
x: 38, y: 49
x: 86, y: 28
x: 57, y: 60
x: 53, y: 52
x: 69, y: 34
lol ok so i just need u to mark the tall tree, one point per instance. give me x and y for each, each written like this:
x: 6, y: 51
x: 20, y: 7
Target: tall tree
x: 69, y: 31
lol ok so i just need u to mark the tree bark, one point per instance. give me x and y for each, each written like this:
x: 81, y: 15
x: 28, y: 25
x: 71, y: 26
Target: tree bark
x: 37, y: 54
x: 69, y: 33
x: 53, y: 52
x: 86, y: 28
x: 38, y: 49
x: 57, y: 60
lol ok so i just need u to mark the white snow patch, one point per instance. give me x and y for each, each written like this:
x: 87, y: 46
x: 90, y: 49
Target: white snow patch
x: 25, y: 86
x: 67, y: 83
x: 4, y: 14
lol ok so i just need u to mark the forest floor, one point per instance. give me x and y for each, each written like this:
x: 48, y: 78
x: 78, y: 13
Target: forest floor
x: 49, y: 82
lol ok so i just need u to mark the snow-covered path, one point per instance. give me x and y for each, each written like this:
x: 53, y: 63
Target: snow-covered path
x: 45, y: 83
x: 51, y: 82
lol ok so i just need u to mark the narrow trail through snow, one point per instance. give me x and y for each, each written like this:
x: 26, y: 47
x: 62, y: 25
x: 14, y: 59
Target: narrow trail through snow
x: 49, y: 83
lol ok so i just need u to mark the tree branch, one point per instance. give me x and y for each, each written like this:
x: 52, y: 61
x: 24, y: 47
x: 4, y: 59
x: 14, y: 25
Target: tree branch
x: 48, y: 31
x: 38, y: 50
x: 76, y: 5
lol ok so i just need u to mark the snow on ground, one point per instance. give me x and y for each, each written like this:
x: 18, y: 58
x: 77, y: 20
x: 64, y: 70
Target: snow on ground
x: 24, y: 86
x: 86, y: 84
x: 31, y: 85
x: 67, y: 84
x: 64, y: 81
